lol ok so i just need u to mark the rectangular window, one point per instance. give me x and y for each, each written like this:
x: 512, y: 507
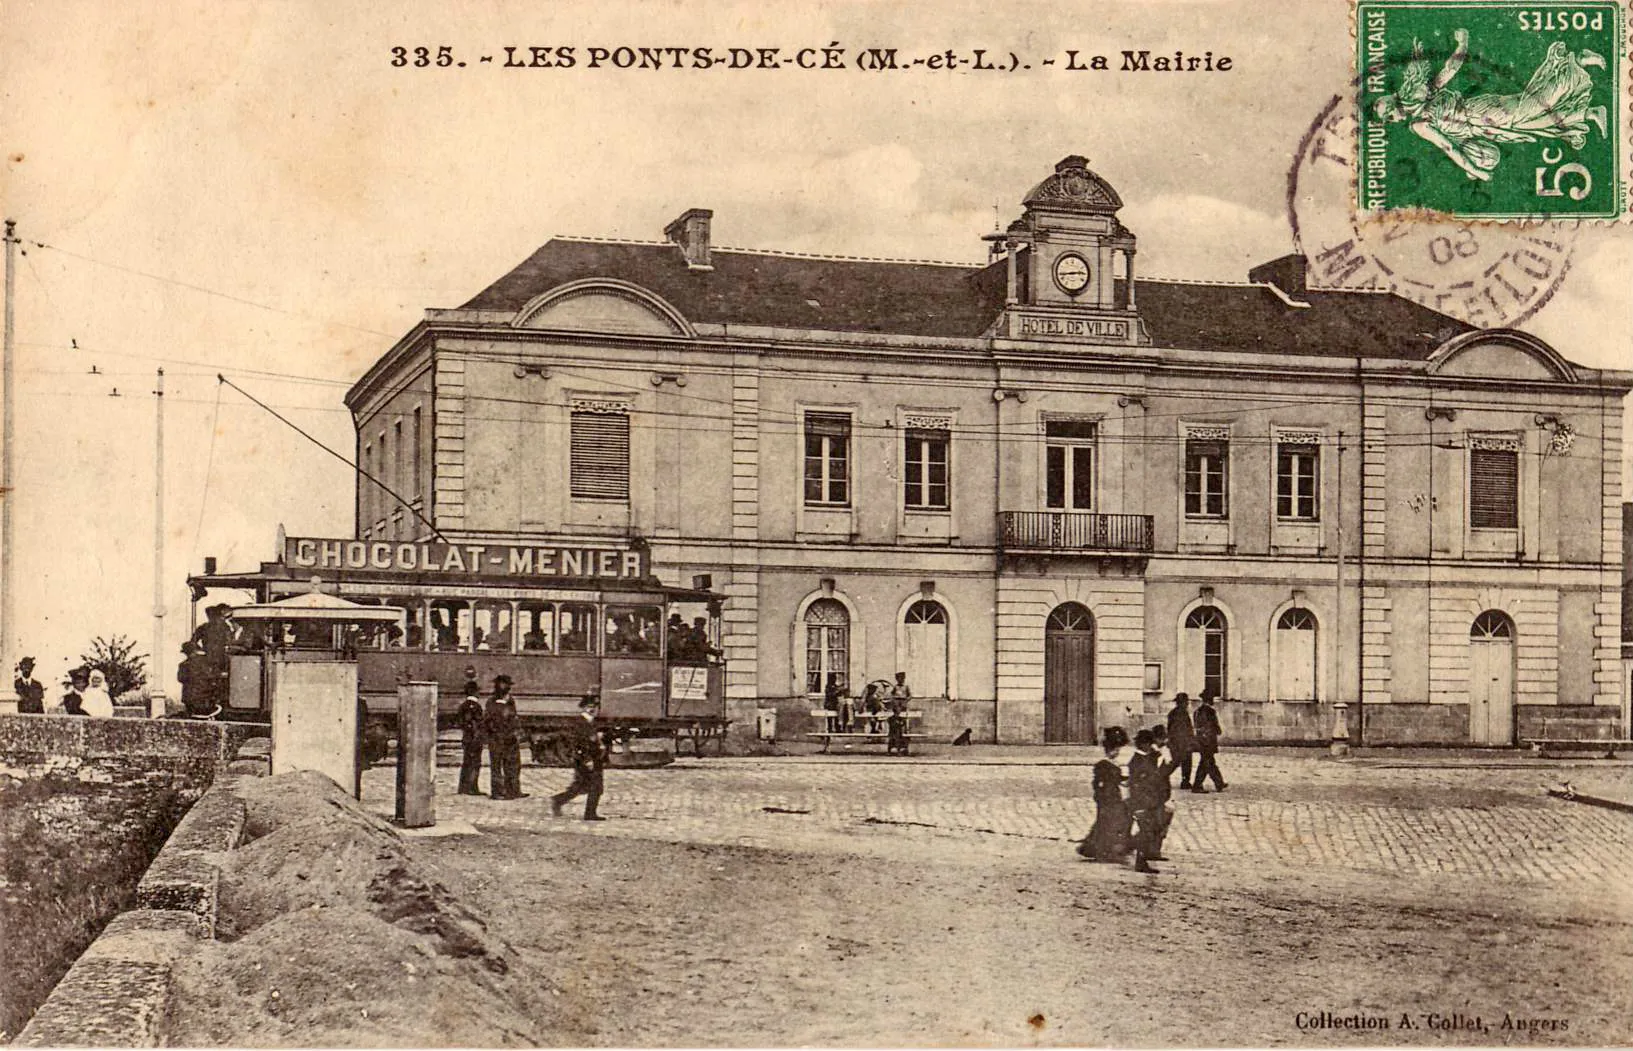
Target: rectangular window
x: 365, y: 488
x: 1206, y: 466
x: 599, y: 456
x: 1069, y: 464
x: 827, y: 459
x: 1297, y: 482
x: 398, y: 459
x: 1494, y: 489
x: 926, y: 470
x: 416, y: 483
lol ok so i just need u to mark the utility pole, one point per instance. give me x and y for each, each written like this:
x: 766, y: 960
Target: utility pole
x: 1340, y: 730
x: 8, y: 489
x: 156, y: 702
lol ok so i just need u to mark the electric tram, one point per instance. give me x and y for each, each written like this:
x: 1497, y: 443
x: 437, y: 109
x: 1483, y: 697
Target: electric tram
x: 557, y: 618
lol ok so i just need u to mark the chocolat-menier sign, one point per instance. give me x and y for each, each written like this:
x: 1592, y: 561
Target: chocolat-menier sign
x: 472, y: 559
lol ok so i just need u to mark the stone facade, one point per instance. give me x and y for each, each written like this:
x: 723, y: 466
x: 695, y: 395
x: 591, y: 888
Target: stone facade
x: 1292, y: 496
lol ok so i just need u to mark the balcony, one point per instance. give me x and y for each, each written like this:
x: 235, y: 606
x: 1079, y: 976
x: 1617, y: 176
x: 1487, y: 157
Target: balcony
x: 1074, y: 532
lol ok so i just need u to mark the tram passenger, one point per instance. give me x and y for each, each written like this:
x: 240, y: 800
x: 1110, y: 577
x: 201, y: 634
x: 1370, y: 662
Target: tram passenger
x: 194, y: 675
x: 682, y: 646
x: 215, y: 637
x: 700, y: 633
x: 504, y: 742
x: 536, y: 641
x: 575, y: 639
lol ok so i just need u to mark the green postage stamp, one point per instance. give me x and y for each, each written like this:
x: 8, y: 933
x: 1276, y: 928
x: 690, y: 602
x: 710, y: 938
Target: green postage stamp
x: 1490, y: 110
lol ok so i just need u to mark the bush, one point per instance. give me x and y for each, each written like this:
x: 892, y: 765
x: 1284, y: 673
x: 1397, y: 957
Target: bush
x: 117, y: 659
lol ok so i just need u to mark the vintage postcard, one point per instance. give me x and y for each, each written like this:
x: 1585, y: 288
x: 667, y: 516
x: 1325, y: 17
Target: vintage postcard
x: 838, y: 524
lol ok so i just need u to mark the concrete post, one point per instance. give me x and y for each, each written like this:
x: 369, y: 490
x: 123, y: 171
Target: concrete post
x: 416, y: 754
x: 1340, y: 730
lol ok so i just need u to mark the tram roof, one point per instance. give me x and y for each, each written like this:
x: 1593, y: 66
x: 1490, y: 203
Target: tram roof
x: 277, y: 573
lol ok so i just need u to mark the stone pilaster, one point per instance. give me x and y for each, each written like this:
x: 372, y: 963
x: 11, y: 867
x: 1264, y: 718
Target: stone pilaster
x: 448, y: 459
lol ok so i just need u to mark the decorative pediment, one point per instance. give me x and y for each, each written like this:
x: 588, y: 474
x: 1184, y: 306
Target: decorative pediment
x: 600, y: 305
x: 1503, y: 354
x: 1074, y: 188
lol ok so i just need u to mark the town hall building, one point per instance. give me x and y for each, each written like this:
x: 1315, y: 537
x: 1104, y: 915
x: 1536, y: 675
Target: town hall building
x: 1050, y: 490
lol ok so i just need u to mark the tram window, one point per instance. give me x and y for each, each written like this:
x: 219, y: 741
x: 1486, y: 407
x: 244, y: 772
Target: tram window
x: 413, y: 625
x: 577, y: 628
x: 633, y: 629
x: 451, y: 625
x: 493, y: 628
x: 537, y: 623
x: 309, y: 635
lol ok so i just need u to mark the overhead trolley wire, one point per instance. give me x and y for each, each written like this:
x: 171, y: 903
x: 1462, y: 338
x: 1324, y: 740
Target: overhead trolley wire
x: 299, y: 430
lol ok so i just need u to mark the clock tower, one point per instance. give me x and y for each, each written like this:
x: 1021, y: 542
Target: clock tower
x: 1071, y: 263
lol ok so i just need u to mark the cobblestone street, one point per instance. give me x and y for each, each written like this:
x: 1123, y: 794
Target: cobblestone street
x: 1457, y: 817
x: 855, y: 901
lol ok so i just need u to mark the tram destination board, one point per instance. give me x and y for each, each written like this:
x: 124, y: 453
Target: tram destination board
x: 467, y: 561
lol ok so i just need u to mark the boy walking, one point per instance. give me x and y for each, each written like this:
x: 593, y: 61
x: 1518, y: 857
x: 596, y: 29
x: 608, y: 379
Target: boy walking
x: 589, y: 760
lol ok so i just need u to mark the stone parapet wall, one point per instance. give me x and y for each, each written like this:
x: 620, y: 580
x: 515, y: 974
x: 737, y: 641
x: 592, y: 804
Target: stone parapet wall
x: 181, y: 753
x: 117, y: 993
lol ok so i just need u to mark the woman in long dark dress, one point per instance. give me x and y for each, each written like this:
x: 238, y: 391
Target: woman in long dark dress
x: 1108, y: 840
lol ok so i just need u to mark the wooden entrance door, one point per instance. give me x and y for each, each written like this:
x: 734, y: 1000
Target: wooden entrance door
x: 1068, y: 676
x: 1491, y: 679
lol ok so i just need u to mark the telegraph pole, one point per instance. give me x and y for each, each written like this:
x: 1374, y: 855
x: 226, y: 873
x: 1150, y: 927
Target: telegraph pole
x: 8, y: 490
x: 1340, y: 730
x: 156, y: 705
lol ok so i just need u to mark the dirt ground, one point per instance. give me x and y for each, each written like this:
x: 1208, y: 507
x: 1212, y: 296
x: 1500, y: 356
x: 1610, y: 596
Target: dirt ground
x: 653, y: 931
x: 690, y: 945
x: 333, y: 932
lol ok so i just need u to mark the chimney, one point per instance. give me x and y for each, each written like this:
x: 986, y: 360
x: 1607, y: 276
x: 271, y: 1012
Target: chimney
x: 691, y: 232
x: 1286, y: 273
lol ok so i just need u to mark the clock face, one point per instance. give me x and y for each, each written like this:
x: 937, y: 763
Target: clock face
x: 1072, y: 273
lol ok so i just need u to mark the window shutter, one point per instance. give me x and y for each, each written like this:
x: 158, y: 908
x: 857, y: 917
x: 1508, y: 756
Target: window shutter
x: 1494, y: 489
x: 833, y: 424
x: 600, y: 456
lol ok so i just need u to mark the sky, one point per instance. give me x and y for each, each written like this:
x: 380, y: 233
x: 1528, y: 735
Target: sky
x: 255, y: 190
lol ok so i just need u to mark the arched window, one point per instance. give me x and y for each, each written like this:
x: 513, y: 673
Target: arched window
x: 1205, y: 630
x: 1295, y: 651
x: 924, y: 644
x: 827, y: 645
x: 1069, y: 616
x: 1492, y: 624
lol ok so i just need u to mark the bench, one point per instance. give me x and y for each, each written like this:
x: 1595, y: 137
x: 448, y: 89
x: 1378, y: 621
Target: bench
x: 1543, y: 746
x: 825, y: 717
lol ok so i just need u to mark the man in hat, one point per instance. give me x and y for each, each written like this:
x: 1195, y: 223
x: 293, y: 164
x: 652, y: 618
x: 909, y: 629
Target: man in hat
x: 589, y: 749
x: 472, y: 739
x: 503, y: 727
x: 30, y: 693
x: 1181, y: 736
x: 1206, y: 721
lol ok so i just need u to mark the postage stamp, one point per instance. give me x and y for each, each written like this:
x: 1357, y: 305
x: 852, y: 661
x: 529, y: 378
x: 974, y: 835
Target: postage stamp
x: 1490, y: 110
x: 1489, y: 274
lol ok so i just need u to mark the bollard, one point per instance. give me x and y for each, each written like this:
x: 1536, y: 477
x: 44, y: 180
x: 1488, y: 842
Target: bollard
x: 1340, y: 730
x: 416, y: 754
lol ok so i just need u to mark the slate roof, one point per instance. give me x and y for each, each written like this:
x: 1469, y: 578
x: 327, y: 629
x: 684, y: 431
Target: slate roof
x: 939, y: 299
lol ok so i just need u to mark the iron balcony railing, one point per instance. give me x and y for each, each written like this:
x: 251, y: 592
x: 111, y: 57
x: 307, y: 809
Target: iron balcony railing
x: 1074, y: 531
